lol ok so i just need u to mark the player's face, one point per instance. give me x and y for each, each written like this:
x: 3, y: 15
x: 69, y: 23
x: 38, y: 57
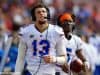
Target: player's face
x: 66, y: 27
x: 41, y: 14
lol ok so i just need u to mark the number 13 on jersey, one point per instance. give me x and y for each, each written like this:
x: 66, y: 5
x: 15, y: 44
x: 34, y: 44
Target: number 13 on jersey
x: 44, y: 50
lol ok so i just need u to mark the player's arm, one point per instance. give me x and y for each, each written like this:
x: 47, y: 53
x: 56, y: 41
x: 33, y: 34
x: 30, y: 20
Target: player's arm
x: 86, y: 64
x: 61, y: 58
x: 80, y: 55
x: 20, y: 58
x: 79, y: 49
x: 61, y: 50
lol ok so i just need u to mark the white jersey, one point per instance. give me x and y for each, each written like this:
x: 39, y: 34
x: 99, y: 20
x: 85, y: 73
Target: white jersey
x: 72, y: 45
x: 40, y: 44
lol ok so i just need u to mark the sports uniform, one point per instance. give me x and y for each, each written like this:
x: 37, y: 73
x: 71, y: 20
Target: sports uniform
x: 73, y: 42
x: 72, y: 45
x: 35, y: 45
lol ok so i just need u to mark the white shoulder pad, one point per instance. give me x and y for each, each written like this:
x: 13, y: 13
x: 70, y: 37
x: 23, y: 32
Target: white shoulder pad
x: 26, y: 29
x: 59, y: 30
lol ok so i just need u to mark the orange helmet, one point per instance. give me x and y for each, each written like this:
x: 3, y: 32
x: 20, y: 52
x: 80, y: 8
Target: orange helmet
x: 66, y: 17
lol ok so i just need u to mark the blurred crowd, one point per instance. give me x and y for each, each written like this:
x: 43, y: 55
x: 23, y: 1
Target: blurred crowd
x: 87, y: 18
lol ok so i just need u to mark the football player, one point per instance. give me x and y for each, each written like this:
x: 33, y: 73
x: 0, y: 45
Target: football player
x: 73, y: 42
x: 41, y: 45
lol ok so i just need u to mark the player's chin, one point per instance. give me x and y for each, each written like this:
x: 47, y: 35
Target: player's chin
x: 42, y: 22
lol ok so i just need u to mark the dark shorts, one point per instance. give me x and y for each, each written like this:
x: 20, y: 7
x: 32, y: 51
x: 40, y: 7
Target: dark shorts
x: 57, y: 73
x: 26, y: 72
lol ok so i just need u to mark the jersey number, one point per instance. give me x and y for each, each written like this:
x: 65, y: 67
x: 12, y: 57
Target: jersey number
x: 69, y: 50
x: 45, y: 45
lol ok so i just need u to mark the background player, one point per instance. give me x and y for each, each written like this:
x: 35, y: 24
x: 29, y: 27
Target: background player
x: 40, y: 45
x: 73, y: 43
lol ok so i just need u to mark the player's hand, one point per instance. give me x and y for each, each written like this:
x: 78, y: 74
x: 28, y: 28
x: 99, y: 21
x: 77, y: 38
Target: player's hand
x: 48, y: 59
x: 65, y: 68
x: 85, y: 66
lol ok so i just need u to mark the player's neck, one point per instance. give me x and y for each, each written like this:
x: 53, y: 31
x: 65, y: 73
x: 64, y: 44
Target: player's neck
x: 68, y: 36
x: 41, y: 27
